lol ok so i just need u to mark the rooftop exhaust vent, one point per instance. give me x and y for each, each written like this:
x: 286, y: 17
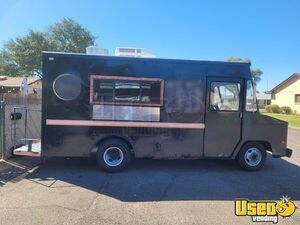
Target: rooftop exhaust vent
x: 94, y: 50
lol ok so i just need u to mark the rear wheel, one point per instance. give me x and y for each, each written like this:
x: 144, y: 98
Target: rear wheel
x: 252, y: 156
x: 113, y: 155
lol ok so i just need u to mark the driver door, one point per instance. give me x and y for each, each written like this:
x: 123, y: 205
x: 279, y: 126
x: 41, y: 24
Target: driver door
x: 223, y: 118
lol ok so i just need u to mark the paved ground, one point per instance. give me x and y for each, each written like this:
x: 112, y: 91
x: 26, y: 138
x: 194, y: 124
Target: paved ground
x: 150, y: 192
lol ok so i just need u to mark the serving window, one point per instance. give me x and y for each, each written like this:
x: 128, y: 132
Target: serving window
x: 111, y: 90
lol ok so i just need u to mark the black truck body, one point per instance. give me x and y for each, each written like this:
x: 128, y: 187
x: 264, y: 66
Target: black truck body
x: 158, y: 108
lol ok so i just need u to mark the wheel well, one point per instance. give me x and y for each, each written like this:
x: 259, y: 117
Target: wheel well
x: 266, y: 144
x: 113, y: 137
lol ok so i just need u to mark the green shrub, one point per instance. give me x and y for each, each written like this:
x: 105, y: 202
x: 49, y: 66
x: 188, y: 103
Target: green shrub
x: 286, y: 110
x: 275, y: 108
x: 268, y: 108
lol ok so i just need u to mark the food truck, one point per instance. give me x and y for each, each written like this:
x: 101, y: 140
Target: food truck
x: 116, y: 108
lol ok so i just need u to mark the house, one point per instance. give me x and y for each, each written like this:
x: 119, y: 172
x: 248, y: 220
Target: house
x: 13, y: 84
x: 287, y: 93
x: 263, y: 99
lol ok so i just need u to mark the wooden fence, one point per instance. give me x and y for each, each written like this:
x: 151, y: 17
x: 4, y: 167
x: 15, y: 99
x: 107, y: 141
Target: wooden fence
x: 16, y: 98
x: 30, y: 126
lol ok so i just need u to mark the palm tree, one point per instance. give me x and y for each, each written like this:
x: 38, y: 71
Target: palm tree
x: 256, y: 73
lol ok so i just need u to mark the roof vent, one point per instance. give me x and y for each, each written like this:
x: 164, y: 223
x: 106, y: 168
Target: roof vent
x: 3, y: 78
x: 94, y: 50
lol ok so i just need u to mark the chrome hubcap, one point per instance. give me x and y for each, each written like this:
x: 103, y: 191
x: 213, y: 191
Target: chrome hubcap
x: 253, y: 156
x: 113, y: 156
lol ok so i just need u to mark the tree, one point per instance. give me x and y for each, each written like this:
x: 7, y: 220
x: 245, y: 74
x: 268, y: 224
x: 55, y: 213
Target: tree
x: 22, y: 56
x: 256, y: 73
x: 70, y: 36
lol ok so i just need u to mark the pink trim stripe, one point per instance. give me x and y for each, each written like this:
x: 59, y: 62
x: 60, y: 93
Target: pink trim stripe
x: 52, y: 122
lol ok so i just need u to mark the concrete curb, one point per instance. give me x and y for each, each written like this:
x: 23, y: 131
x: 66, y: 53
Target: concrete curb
x: 294, y: 127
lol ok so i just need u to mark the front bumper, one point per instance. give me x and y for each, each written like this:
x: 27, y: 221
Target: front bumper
x: 288, y: 152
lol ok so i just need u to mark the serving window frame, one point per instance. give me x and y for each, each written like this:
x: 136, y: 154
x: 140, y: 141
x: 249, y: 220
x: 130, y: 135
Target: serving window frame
x: 126, y: 103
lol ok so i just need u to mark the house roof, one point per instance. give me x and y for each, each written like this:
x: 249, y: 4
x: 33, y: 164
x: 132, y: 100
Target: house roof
x: 292, y: 78
x: 16, y: 81
x: 263, y: 96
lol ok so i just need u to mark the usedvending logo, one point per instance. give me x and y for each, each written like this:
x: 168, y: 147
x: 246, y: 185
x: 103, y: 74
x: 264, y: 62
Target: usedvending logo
x: 265, y: 211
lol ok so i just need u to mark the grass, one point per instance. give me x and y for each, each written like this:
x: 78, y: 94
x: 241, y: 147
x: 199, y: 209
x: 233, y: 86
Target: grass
x: 293, y: 120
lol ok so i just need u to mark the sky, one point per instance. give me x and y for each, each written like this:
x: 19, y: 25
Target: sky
x: 266, y: 31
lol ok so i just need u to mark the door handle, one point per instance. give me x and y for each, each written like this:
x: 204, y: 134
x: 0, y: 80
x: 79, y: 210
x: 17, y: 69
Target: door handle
x: 241, y: 115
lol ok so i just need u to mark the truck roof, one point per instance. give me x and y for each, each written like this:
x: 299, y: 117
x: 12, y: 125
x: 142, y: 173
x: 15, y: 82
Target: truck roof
x: 247, y: 64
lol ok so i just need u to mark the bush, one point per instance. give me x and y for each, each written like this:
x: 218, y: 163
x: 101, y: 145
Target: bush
x: 286, y: 110
x: 273, y: 108
x: 268, y: 108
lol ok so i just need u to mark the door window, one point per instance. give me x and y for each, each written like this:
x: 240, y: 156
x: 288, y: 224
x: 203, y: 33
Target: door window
x: 224, y: 96
x: 250, y: 98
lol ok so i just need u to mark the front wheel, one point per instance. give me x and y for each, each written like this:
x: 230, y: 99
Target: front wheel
x: 113, y: 155
x: 252, y: 156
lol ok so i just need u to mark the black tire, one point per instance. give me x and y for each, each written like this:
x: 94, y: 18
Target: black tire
x: 252, y: 156
x: 113, y: 155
